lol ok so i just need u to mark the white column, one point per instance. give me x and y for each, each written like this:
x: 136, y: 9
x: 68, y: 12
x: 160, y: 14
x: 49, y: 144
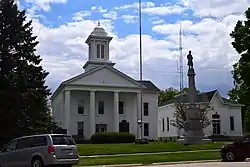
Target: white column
x: 139, y: 113
x: 135, y: 116
x: 116, y: 112
x: 92, y: 114
x: 67, y: 110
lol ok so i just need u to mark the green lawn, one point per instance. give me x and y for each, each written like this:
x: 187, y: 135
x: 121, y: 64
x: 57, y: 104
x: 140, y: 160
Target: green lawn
x: 103, y: 149
x: 148, y: 159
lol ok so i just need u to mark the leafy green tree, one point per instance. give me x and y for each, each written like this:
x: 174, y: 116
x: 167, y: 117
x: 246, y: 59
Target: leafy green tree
x: 23, y: 94
x: 166, y: 95
x: 170, y: 93
x: 241, y: 91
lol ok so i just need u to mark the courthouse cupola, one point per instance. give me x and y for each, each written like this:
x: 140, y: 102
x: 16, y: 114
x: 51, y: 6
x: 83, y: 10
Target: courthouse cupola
x: 98, y: 42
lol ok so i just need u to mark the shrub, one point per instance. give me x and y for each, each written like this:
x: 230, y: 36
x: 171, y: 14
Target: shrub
x: 80, y: 140
x: 141, y: 141
x: 112, y: 137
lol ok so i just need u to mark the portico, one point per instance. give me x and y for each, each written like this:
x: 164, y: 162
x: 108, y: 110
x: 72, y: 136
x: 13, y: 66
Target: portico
x: 100, y: 108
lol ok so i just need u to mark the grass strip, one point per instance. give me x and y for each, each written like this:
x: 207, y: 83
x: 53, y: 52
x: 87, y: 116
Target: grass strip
x: 148, y: 159
x: 109, y: 149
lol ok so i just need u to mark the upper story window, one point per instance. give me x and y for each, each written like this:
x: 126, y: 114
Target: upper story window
x: 145, y: 108
x: 80, y: 108
x: 100, y: 51
x: 101, y: 107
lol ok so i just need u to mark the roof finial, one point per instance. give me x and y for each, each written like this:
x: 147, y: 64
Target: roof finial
x: 99, y: 24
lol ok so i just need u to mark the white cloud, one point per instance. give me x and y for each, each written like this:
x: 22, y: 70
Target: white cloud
x: 129, y: 18
x: 209, y: 40
x: 80, y: 15
x: 216, y: 8
x: 44, y: 4
x: 164, y: 10
x: 158, y: 21
x: 135, y: 5
x: 99, y: 9
x: 110, y: 15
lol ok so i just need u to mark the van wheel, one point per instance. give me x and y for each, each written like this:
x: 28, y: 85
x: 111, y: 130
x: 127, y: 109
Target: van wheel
x: 37, y: 162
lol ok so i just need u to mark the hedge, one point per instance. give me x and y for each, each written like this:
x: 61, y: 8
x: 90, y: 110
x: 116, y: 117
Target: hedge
x: 112, y: 137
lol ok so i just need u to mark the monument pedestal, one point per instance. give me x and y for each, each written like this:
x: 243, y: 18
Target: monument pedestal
x: 193, y: 127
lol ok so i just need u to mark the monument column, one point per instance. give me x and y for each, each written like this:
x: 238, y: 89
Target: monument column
x: 193, y: 128
x: 116, y: 112
x: 92, y: 114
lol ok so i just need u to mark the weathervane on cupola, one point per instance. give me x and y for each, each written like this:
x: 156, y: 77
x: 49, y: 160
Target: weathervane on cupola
x: 99, y: 24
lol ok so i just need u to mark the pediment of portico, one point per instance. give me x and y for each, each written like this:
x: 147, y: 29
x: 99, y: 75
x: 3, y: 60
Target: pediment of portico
x: 104, y: 76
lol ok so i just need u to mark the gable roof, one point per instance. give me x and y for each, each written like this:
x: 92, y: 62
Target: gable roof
x: 201, y: 97
x: 99, y: 68
x: 147, y: 85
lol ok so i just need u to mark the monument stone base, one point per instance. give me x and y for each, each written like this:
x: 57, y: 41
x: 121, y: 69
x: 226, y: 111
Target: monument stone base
x: 194, y: 141
x: 193, y: 128
x: 194, y: 137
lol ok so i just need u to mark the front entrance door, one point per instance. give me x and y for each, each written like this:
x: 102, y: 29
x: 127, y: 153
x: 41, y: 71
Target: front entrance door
x: 124, y: 126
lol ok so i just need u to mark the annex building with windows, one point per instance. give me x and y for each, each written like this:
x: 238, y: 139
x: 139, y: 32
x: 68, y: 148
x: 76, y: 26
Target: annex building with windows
x: 224, y: 116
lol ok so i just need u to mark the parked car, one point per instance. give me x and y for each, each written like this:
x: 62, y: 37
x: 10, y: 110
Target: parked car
x: 236, y: 151
x: 40, y: 150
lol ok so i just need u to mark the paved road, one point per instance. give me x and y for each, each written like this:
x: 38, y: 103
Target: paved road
x: 211, y: 164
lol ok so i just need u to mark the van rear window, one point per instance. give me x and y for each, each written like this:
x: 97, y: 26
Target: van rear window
x: 63, y: 140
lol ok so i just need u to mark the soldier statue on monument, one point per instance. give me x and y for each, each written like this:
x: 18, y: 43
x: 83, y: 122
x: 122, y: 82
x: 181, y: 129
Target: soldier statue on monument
x: 190, y: 61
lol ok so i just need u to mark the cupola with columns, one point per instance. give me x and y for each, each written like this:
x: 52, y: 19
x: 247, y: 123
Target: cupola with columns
x: 98, y: 42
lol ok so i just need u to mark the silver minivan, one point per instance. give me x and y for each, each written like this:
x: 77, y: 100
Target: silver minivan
x: 40, y: 150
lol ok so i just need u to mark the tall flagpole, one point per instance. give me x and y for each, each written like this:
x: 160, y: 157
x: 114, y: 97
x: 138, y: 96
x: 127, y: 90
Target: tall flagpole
x: 141, y: 90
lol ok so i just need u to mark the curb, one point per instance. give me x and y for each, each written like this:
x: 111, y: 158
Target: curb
x: 156, y: 153
x: 161, y: 163
x: 154, y: 164
x: 186, y: 162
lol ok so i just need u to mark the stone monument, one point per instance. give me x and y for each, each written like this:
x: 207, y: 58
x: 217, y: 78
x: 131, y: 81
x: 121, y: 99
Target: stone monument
x: 193, y: 128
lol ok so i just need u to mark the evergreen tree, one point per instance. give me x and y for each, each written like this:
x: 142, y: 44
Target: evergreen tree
x: 23, y: 95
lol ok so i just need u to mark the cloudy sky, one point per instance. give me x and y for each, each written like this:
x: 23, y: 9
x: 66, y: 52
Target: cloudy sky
x: 62, y: 27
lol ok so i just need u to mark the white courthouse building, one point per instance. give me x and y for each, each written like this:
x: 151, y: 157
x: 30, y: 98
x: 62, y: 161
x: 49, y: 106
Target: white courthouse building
x: 102, y: 98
